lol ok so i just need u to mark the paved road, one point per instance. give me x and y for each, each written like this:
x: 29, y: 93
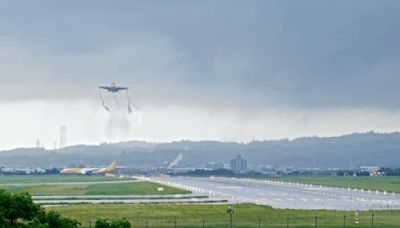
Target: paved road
x: 285, y: 195
x: 96, y: 197
x: 133, y: 200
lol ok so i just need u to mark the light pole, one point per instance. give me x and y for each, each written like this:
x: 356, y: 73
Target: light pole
x: 230, y: 211
x: 372, y: 220
x: 344, y: 221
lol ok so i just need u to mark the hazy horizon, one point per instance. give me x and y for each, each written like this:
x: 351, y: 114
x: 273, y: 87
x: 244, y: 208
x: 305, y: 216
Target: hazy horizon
x: 208, y: 140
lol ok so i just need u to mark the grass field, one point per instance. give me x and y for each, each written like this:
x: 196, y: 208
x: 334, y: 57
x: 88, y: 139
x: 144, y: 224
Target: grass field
x: 11, y: 179
x: 389, y: 184
x: 131, y: 188
x: 246, y: 215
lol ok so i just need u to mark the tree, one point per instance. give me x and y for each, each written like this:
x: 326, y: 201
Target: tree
x: 20, y: 206
x: 5, y: 201
x: 16, y: 206
x: 3, y: 221
x: 54, y: 220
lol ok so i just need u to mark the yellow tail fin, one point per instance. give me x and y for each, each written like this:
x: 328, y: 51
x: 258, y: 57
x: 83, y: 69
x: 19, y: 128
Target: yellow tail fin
x: 111, y: 168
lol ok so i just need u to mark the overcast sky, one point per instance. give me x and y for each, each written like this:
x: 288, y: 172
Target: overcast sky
x: 219, y: 70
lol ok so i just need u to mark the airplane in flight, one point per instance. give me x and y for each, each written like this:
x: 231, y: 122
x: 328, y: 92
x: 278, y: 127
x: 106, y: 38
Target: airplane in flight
x: 89, y: 171
x: 113, y: 88
x: 132, y: 107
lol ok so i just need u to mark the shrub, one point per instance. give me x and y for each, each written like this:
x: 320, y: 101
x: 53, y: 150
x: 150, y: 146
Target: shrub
x: 121, y: 223
x: 118, y: 223
x: 102, y: 223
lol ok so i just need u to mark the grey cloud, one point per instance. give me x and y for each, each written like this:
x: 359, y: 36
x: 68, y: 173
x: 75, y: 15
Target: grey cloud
x: 217, y: 53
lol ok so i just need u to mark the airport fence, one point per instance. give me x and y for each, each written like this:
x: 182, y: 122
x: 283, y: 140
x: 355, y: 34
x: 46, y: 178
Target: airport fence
x: 365, y: 219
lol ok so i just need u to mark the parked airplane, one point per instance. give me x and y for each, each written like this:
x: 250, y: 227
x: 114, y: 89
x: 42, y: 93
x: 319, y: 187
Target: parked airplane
x: 88, y: 171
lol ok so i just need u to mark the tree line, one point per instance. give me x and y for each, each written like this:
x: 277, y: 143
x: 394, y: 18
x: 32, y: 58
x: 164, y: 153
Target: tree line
x: 19, y: 210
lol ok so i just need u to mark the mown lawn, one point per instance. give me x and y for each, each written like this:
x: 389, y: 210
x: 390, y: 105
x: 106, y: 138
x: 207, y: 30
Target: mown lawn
x: 246, y: 215
x: 130, y: 188
x: 135, y: 188
x: 384, y: 183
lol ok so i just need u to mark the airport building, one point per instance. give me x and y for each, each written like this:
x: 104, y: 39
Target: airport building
x: 238, y: 164
x: 215, y: 165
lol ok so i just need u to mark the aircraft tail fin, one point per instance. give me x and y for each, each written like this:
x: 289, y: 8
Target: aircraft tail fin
x: 111, y: 168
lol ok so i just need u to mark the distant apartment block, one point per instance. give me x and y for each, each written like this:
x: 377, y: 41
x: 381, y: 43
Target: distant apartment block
x: 238, y: 164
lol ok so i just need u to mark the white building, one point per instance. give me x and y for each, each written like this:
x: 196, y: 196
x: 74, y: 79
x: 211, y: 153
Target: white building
x: 63, y: 137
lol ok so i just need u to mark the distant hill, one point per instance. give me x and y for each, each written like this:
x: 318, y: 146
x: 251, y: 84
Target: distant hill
x: 346, y: 151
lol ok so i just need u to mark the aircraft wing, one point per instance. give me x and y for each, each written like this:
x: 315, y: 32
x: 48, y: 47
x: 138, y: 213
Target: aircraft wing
x: 99, y: 170
x: 88, y: 170
x: 121, y: 88
x: 105, y: 87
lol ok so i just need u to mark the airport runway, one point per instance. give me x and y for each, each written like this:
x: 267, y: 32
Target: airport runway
x: 284, y: 194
